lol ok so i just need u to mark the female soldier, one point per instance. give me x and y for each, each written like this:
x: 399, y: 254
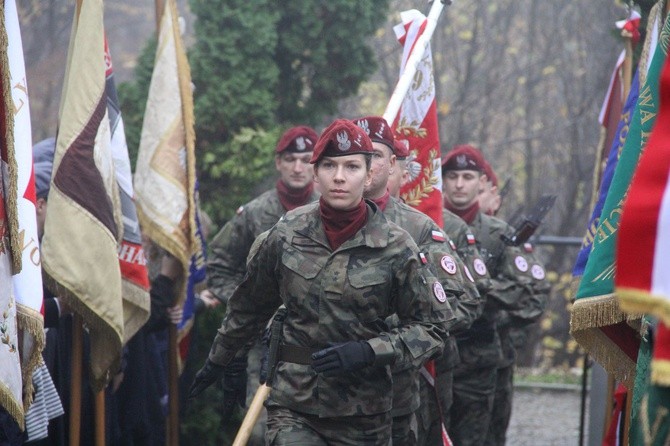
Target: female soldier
x: 340, y: 269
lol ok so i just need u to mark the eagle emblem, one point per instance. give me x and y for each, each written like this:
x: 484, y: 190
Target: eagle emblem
x: 363, y: 123
x: 343, y: 142
x: 380, y: 132
x: 300, y: 143
x: 461, y: 161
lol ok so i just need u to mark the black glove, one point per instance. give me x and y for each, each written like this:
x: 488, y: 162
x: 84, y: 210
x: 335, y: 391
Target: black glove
x: 234, y: 387
x: 206, y: 376
x: 343, y: 358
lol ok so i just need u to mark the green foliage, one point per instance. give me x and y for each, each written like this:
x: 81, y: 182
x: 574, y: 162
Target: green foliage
x: 323, y: 54
x: 231, y: 171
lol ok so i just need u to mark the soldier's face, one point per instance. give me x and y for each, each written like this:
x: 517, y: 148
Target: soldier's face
x: 294, y: 169
x: 461, y: 187
x: 398, y: 177
x: 383, y: 165
x: 342, y: 180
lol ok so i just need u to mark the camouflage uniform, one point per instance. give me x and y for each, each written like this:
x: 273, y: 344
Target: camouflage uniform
x: 479, y: 347
x: 437, y: 399
x: 448, y: 268
x: 226, y: 267
x: 530, y: 271
x: 334, y: 297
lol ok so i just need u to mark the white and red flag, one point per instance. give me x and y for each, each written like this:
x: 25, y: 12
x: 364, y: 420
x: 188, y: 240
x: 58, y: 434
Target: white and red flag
x: 20, y: 228
x: 416, y: 122
x: 642, y: 261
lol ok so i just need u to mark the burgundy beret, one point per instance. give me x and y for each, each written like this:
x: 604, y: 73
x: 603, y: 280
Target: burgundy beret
x: 488, y: 170
x: 401, y: 148
x: 463, y: 157
x: 299, y: 139
x: 377, y: 129
x: 340, y: 138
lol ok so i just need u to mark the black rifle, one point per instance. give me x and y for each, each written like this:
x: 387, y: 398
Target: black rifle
x: 530, y: 222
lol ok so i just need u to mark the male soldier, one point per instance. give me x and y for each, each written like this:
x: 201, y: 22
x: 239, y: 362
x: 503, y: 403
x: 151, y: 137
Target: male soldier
x: 226, y: 264
x: 479, y: 347
x: 446, y: 265
x: 340, y: 268
x: 400, y: 175
x: 511, y: 324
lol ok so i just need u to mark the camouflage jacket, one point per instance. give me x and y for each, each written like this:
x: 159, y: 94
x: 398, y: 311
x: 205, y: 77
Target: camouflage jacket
x: 510, y: 323
x: 480, y: 345
x: 447, y: 266
x: 334, y: 297
x: 226, y: 263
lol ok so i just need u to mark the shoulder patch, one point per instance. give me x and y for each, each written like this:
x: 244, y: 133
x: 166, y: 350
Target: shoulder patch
x: 479, y: 266
x: 448, y: 264
x: 439, y: 293
x: 537, y: 272
x: 528, y: 247
x: 438, y: 236
x: 521, y: 263
x: 423, y: 258
x: 239, y: 210
x: 471, y: 239
x: 452, y: 244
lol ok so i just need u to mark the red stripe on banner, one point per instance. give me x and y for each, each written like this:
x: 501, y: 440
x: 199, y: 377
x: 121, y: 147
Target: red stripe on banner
x: 641, y: 210
x: 625, y: 337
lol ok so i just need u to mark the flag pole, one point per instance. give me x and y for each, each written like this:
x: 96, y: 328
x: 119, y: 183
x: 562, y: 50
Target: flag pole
x: 407, y: 75
x: 75, y: 384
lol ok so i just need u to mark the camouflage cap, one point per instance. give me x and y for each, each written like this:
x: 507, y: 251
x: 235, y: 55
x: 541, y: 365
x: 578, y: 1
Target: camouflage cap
x: 340, y: 138
x: 300, y: 139
x: 377, y: 129
x: 463, y: 157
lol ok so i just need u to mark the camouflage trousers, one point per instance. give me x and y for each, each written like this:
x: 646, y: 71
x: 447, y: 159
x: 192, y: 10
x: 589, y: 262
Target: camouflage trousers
x: 289, y: 428
x: 255, y: 356
x: 432, y: 414
x: 502, y: 407
x: 474, y: 389
x: 404, y: 431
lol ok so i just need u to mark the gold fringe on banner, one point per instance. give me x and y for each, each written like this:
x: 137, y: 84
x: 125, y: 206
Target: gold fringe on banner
x: 99, y: 378
x: 11, y: 193
x: 136, y: 299
x: 14, y: 409
x: 660, y: 372
x: 30, y: 322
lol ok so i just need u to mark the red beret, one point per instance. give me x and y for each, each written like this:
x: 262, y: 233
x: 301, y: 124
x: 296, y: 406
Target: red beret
x: 299, y: 139
x: 340, y: 138
x: 488, y: 170
x: 463, y: 157
x: 401, y: 148
x: 377, y: 129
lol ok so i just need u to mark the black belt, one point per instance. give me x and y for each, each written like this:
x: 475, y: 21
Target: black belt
x: 296, y: 354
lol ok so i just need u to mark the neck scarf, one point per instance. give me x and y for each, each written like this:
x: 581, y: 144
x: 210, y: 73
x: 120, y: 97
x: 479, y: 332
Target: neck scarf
x: 341, y: 225
x: 468, y: 214
x: 382, y: 201
x: 292, y: 198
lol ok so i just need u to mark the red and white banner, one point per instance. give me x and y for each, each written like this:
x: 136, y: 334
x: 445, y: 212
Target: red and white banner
x: 642, y: 262
x: 17, y: 147
x: 416, y: 122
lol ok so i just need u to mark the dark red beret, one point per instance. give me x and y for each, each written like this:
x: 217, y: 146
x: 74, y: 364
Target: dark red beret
x: 401, y: 148
x: 340, y: 138
x: 299, y: 139
x: 377, y: 129
x: 463, y: 157
x: 488, y: 170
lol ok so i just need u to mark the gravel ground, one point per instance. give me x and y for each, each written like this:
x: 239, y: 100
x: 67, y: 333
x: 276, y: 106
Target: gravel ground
x: 545, y: 418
